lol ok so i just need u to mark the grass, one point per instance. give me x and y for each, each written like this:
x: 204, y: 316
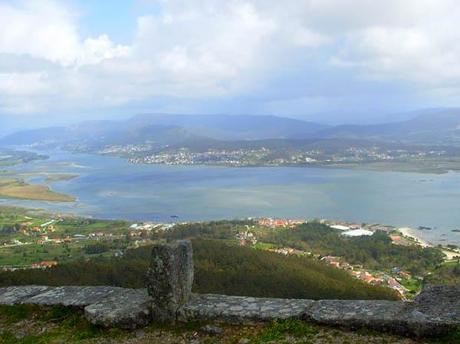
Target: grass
x: 29, y: 324
x: 278, y: 330
x: 453, y: 337
x: 264, y: 246
x: 61, y: 324
x: 15, y: 188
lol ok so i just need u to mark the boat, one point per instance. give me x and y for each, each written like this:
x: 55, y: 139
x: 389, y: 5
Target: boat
x: 421, y: 228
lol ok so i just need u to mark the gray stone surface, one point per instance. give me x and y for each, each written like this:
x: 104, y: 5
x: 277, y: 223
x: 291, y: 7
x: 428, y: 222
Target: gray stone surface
x: 441, y: 302
x: 381, y: 315
x: 129, y: 309
x: 240, y: 309
x: 170, y: 278
x: 77, y: 296
x: 15, y: 295
x: 434, y: 312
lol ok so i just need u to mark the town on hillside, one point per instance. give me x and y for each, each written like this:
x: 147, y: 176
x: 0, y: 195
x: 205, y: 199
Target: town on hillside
x: 44, y: 241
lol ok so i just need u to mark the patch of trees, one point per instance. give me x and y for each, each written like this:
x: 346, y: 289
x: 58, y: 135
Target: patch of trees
x: 373, y: 252
x: 10, y: 228
x: 445, y: 274
x: 97, y: 248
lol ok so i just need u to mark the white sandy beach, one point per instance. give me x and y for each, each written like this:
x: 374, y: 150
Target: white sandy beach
x: 410, y: 233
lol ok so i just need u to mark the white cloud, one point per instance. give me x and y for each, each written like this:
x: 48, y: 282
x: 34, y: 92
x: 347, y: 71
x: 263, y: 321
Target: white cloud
x: 201, y: 49
x: 46, y: 29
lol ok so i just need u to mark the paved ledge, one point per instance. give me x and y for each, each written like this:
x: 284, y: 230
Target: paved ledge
x: 242, y: 309
x: 434, y: 312
x: 15, y: 295
x: 72, y: 296
x: 128, y: 309
x: 105, y: 306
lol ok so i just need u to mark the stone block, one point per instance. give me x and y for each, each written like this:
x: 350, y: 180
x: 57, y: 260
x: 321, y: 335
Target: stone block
x: 76, y: 296
x: 16, y: 295
x: 170, y: 279
x: 241, y: 309
x: 127, y: 309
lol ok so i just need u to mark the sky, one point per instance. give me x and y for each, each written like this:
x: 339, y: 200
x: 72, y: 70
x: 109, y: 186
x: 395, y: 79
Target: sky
x: 334, y: 61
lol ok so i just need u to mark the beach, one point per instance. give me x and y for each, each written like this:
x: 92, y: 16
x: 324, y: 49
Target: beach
x: 410, y: 233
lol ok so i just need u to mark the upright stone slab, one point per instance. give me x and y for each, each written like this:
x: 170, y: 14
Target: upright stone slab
x: 170, y: 278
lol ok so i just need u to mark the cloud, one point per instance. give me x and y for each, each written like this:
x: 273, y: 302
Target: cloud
x: 272, y: 52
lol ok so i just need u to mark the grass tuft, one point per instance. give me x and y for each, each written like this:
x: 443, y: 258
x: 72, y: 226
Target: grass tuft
x: 278, y: 330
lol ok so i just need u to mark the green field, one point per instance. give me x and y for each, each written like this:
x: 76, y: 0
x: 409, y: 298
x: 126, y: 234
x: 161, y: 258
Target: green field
x: 14, y: 220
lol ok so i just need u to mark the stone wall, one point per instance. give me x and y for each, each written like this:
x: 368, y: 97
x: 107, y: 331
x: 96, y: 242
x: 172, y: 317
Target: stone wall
x: 168, y: 298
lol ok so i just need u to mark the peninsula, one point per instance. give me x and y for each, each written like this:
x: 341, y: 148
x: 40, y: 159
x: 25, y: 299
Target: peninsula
x: 19, y: 189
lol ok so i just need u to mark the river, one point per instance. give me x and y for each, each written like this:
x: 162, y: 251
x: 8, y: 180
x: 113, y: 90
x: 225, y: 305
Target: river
x: 110, y: 187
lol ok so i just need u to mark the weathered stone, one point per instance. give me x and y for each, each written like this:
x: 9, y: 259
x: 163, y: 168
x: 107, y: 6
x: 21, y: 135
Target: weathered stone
x: 129, y: 309
x: 170, y: 278
x: 212, y: 330
x: 435, y: 311
x: 15, y: 295
x: 440, y: 302
x: 239, y: 309
x: 379, y: 315
x: 72, y: 296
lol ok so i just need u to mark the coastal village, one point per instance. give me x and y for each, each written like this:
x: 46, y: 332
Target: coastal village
x: 399, y: 236
x: 269, y: 156
x: 49, y: 233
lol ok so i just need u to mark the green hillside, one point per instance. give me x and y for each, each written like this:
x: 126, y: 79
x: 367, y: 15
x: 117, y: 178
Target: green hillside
x: 219, y: 268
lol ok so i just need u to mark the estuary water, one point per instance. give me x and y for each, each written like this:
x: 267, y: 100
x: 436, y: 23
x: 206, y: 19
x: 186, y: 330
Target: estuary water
x: 112, y: 188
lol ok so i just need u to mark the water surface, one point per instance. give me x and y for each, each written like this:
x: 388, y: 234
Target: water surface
x: 110, y: 187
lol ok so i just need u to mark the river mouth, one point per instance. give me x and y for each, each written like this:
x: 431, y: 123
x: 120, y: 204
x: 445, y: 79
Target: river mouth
x: 111, y: 188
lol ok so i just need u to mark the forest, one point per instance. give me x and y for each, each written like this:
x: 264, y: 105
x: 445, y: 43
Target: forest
x: 219, y: 268
x: 373, y: 252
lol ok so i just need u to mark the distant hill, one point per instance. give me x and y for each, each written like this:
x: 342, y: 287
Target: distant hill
x: 236, y: 127
x: 168, y: 129
x: 440, y: 127
x: 433, y: 127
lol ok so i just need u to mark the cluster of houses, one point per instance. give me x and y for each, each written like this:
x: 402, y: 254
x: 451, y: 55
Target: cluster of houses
x: 356, y: 271
x: 289, y: 251
x: 343, y: 226
x: 46, y: 228
x: 365, y: 276
x: 46, y: 264
x: 144, y: 230
x: 246, y: 237
x: 279, y: 223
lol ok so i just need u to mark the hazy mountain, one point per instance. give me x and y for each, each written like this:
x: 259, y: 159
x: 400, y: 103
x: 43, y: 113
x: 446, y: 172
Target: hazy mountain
x: 433, y: 127
x: 168, y: 129
x: 235, y: 127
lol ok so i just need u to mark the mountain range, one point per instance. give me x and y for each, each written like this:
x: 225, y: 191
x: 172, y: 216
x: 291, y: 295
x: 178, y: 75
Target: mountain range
x: 436, y: 127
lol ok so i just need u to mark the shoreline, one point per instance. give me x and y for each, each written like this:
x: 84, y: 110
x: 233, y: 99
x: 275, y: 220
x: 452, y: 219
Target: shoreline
x: 410, y: 233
